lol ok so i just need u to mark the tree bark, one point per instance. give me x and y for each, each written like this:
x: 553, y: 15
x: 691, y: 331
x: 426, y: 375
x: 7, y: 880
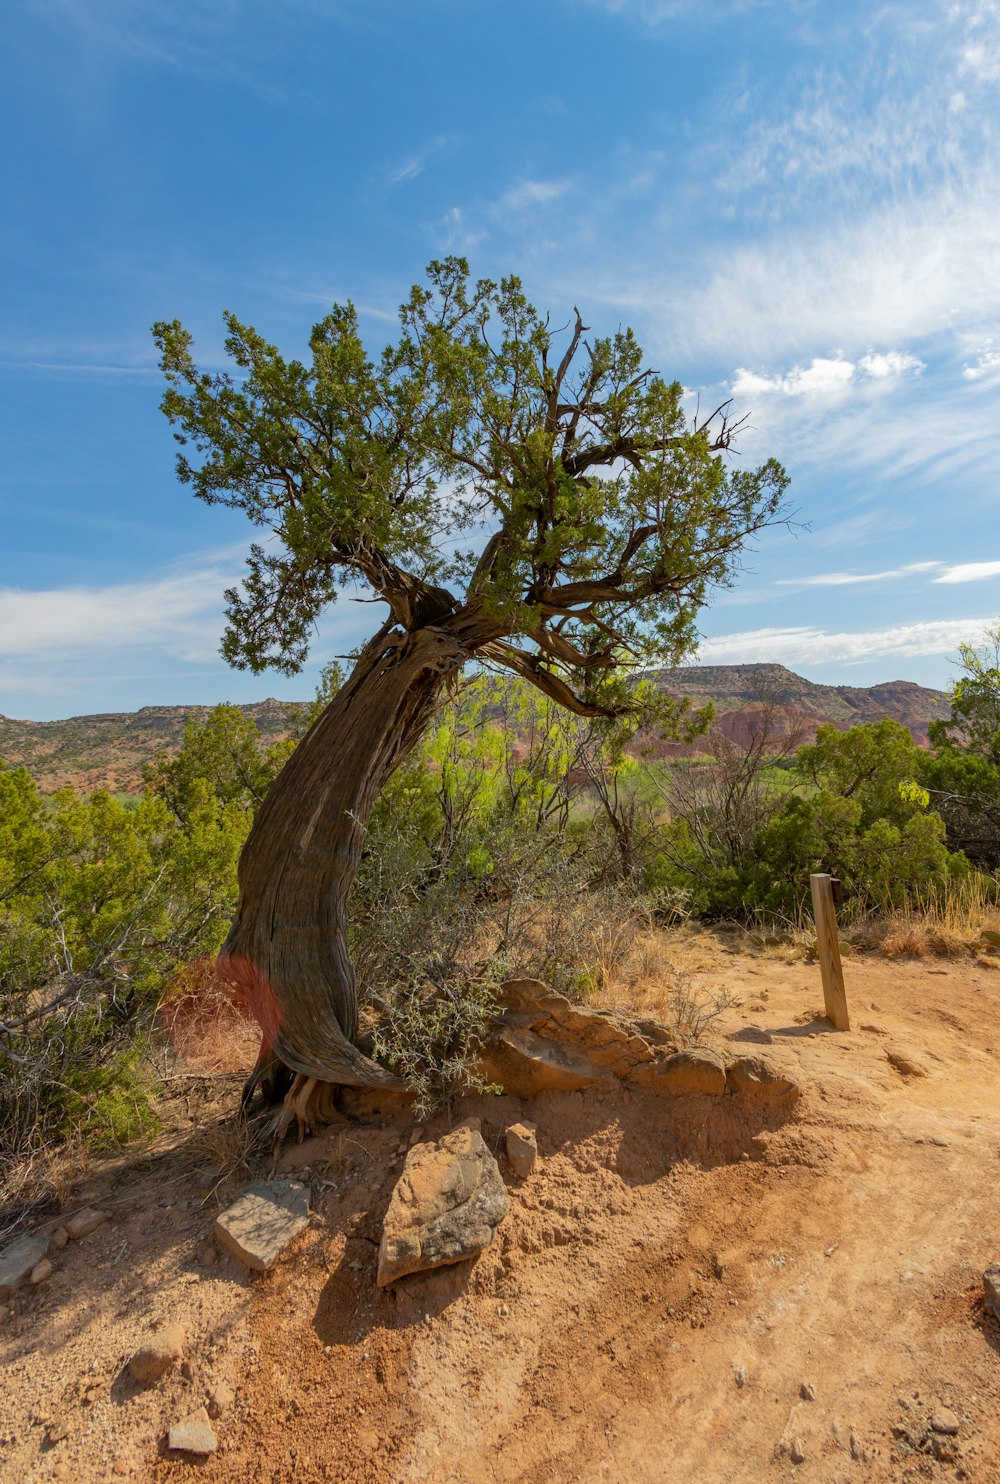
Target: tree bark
x: 287, y: 950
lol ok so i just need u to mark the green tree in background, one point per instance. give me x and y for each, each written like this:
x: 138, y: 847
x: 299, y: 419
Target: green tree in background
x: 963, y: 773
x: 514, y: 495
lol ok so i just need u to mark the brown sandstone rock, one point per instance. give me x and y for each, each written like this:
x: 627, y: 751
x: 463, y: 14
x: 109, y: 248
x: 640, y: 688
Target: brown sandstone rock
x: 85, y: 1222
x: 159, y: 1355
x: 522, y: 1149
x: 751, y: 1077
x: 697, y: 1070
x: 446, y: 1207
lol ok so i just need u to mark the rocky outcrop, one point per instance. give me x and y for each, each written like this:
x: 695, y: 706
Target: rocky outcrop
x: 445, y: 1208
x: 542, y: 1042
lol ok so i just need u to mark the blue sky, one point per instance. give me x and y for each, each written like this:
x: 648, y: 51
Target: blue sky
x: 796, y: 204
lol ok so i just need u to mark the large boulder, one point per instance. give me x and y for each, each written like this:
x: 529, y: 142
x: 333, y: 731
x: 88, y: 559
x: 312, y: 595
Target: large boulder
x: 445, y: 1208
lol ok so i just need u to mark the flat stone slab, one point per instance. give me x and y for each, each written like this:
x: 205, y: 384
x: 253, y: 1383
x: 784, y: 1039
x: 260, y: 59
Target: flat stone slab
x: 446, y: 1206
x: 17, y: 1261
x: 260, y: 1225
x: 193, y: 1434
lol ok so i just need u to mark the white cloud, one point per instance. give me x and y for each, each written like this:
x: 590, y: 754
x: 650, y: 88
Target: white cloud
x: 179, y: 612
x: 987, y: 364
x: 847, y: 579
x: 532, y: 193
x: 812, y: 646
x: 893, y: 363
x: 821, y: 378
x: 970, y: 572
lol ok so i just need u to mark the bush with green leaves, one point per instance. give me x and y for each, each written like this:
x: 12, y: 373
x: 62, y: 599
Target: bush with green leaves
x: 101, y: 901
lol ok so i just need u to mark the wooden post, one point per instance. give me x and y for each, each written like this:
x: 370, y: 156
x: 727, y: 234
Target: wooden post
x: 828, y: 946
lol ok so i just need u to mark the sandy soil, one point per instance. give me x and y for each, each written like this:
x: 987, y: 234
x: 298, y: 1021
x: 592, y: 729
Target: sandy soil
x: 678, y: 1293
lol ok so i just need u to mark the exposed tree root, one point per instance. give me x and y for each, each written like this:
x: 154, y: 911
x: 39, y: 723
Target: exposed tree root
x: 309, y: 1104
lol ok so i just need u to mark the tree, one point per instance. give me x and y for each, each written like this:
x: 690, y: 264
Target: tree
x: 515, y: 495
x: 963, y: 773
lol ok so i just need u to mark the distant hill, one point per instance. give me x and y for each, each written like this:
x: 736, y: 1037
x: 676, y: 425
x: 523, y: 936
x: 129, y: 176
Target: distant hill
x: 740, y: 692
x: 110, y: 750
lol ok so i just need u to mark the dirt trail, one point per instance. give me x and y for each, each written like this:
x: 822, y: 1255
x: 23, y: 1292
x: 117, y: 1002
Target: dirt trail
x: 668, y: 1281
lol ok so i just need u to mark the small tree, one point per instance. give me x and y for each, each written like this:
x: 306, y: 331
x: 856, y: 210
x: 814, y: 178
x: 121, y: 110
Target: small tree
x: 515, y: 495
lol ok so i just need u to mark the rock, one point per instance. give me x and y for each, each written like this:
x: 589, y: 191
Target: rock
x: 991, y: 1289
x: 751, y: 1077
x: 220, y: 1399
x: 944, y: 1421
x: 522, y: 1148
x: 158, y: 1356
x: 193, y: 1434
x: 4, y: 1313
x: 544, y: 1042
x: 906, y: 1062
x: 741, y: 1376
x: 445, y: 1208
x: 17, y: 1262
x: 85, y: 1222
x: 807, y: 1391
x: 40, y: 1272
x: 265, y: 1219
x: 58, y: 1239
x: 526, y: 1064
x: 697, y: 1070
x: 56, y: 1430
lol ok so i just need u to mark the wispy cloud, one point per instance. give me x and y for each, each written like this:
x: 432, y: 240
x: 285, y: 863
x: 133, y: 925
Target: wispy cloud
x: 415, y: 164
x: 532, y: 193
x: 76, y: 369
x: 179, y: 611
x: 814, y: 646
x: 987, y: 364
x: 849, y: 579
x: 970, y: 572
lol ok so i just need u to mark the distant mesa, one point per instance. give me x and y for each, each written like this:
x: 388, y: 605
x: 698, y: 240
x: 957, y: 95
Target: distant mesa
x: 110, y: 750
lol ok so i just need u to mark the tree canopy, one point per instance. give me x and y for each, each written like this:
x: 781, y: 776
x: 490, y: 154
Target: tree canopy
x: 545, y: 486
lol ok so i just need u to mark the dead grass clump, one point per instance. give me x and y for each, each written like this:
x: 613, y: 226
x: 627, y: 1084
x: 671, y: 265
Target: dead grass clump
x: 207, y: 1030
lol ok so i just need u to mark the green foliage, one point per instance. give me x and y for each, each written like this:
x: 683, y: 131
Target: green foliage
x: 432, y: 1034
x: 101, y: 902
x: 609, y: 518
x: 963, y: 773
x: 224, y: 752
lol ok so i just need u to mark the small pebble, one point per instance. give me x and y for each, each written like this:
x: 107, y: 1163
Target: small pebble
x: 741, y: 1376
x: 945, y: 1421
x: 57, y: 1429
x: 40, y: 1272
x: 807, y: 1391
x: 59, y: 1238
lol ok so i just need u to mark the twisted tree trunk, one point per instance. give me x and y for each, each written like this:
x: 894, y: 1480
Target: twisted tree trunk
x: 287, y: 949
